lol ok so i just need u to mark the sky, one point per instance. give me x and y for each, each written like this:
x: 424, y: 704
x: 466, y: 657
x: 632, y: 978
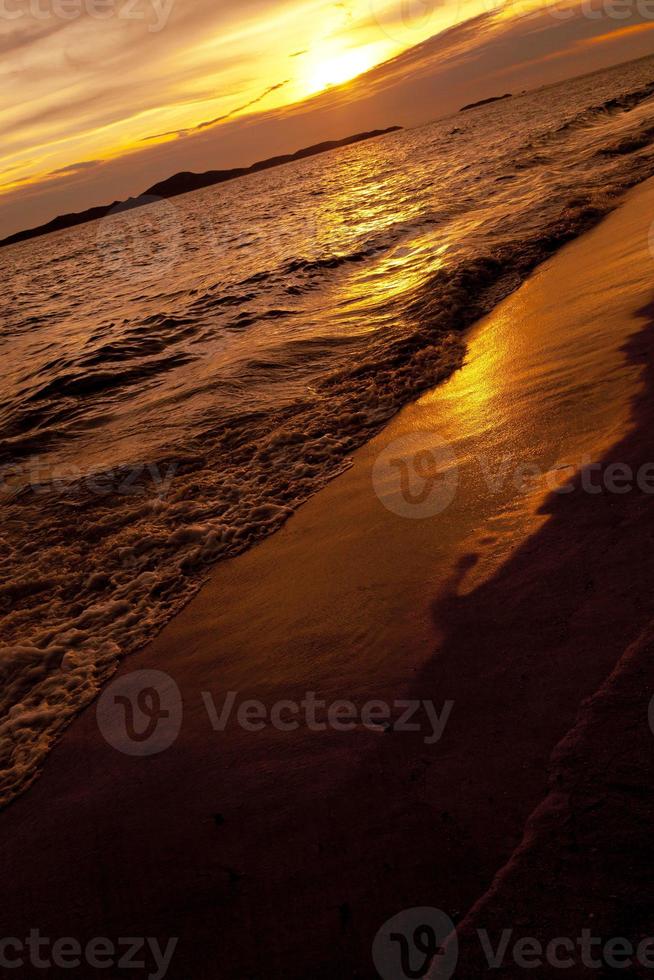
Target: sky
x: 102, y: 98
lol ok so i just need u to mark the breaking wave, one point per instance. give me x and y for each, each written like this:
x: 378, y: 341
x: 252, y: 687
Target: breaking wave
x: 175, y: 389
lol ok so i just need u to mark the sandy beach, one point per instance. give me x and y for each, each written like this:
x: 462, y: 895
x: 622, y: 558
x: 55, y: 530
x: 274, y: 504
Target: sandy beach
x: 286, y: 850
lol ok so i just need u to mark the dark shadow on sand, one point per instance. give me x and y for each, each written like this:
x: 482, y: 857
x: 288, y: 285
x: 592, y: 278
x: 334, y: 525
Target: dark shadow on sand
x: 298, y: 891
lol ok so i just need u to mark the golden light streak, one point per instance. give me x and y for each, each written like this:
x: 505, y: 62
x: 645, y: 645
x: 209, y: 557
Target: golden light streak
x: 619, y: 33
x: 327, y: 68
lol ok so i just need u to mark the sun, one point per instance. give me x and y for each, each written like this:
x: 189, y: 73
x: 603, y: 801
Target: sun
x: 326, y: 69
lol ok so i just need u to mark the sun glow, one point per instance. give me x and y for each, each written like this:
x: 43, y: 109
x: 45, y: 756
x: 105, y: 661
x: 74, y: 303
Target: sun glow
x: 329, y: 68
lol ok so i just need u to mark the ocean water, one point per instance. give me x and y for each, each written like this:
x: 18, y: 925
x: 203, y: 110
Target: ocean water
x: 179, y: 378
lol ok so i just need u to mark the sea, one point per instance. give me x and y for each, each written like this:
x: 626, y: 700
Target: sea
x: 179, y: 378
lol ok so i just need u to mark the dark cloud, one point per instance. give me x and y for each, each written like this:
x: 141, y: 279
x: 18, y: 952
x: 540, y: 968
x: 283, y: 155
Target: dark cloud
x: 493, y: 52
x: 241, y: 108
x: 74, y: 168
x: 178, y: 133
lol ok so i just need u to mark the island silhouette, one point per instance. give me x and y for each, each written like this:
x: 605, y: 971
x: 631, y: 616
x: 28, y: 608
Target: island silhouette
x: 493, y: 98
x: 183, y: 182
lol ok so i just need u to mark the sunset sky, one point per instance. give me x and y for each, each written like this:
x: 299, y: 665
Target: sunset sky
x: 101, y: 98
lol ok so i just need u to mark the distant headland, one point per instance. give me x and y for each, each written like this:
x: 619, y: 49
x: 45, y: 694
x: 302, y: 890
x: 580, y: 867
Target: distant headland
x: 493, y: 98
x: 186, y: 181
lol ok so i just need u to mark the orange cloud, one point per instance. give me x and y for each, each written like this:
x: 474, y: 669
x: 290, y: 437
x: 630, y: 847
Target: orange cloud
x: 206, y: 90
x: 620, y: 32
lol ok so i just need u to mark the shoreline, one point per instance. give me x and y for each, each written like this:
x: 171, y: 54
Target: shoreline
x: 582, y: 864
x: 380, y: 612
x: 185, y: 182
x: 133, y: 564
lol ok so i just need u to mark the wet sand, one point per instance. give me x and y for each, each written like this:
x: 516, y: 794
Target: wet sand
x: 279, y: 854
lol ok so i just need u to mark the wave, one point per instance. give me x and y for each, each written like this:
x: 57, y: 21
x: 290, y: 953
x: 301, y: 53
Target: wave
x: 290, y: 363
x: 618, y: 104
x: 237, y: 487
